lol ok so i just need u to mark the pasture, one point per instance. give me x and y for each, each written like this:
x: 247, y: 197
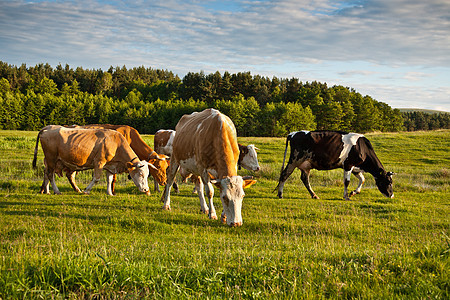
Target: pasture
x: 98, y: 246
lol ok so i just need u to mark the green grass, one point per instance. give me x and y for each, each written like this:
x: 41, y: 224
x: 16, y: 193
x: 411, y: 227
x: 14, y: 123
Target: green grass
x: 77, y: 246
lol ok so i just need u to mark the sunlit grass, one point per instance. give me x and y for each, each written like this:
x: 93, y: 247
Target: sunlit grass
x: 96, y: 246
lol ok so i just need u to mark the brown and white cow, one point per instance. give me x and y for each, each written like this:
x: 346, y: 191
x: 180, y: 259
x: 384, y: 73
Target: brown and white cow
x: 142, y: 150
x: 327, y: 150
x: 77, y: 149
x: 206, y: 145
x: 163, y: 143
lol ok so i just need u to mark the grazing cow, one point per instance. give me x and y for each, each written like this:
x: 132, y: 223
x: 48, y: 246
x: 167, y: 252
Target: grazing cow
x: 248, y: 158
x: 163, y: 140
x: 142, y: 150
x: 82, y: 149
x: 327, y: 150
x: 206, y: 145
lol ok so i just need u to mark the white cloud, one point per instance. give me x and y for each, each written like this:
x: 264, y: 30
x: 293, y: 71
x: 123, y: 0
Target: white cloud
x: 261, y: 36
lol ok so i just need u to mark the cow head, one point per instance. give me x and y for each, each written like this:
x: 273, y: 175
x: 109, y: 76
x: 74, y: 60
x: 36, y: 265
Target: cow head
x: 384, y: 184
x: 248, y: 158
x: 139, y: 172
x: 232, y: 194
x: 161, y: 163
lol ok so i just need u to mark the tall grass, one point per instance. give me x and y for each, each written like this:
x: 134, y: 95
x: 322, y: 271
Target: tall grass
x: 96, y: 246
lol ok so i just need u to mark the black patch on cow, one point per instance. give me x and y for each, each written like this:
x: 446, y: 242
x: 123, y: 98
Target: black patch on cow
x: 321, y: 148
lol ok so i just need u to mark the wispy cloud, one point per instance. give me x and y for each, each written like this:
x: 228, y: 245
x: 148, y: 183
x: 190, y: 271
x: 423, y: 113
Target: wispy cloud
x: 231, y: 35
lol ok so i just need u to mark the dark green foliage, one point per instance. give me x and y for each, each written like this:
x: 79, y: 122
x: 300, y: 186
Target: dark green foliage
x: 149, y: 99
x: 418, y: 120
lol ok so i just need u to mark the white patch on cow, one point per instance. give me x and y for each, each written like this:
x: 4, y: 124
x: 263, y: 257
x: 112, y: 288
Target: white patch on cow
x: 168, y: 148
x: 349, y: 140
x: 190, y: 165
x: 291, y: 135
x: 347, y: 174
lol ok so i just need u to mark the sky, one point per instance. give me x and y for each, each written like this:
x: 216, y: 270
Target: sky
x: 396, y: 51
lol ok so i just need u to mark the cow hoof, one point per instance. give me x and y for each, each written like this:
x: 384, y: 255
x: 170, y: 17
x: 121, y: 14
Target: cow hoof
x: 280, y: 195
x: 223, y: 219
x: 213, y: 217
x: 206, y: 212
x: 166, y: 207
x: 347, y: 198
x: 354, y: 193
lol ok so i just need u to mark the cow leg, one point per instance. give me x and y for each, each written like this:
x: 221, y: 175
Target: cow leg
x: 201, y: 196
x: 110, y: 177
x: 209, y: 193
x: 53, y: 183
x: 71, y: 177
x: 175, y: 187
x: 347, y: 175
x: 156, y: 185
x: 305, y: 180
x: 45, y: 184
x: 171, y: 173
x: 284, y: 176
x: 45, y: 189
x: 95, y: 179
x: 113, y: 185
x: 50, y: 174
x: 361, y: 178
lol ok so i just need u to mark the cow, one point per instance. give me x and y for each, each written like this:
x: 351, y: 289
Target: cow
x: 206, y: 146
x: 142, y: 150
x: 77, y: 149
x: 327, y: 150
x: 163, y: 140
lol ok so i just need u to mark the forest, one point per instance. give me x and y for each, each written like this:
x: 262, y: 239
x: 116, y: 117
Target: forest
x: 152, y: 99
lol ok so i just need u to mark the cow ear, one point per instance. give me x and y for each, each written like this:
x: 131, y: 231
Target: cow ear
x: 248, y: 183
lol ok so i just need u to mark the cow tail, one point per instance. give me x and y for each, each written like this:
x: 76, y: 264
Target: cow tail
x: 285, y: 152
x: 284, y: 160
x: 36, y: 150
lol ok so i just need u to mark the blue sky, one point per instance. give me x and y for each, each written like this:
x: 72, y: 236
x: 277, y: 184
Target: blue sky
x: 397, y: 51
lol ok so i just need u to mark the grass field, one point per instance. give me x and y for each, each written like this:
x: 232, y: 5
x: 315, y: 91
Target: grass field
x: 96, y: 246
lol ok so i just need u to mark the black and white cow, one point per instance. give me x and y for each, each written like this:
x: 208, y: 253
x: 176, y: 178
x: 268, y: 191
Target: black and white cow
x: 327, y: 150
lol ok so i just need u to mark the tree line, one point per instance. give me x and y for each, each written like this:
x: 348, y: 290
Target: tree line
x: 151, y: 99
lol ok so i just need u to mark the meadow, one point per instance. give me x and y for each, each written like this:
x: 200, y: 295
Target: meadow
x: 101, y: 247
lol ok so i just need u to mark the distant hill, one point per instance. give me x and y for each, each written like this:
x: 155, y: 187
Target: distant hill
x: 428, y: 111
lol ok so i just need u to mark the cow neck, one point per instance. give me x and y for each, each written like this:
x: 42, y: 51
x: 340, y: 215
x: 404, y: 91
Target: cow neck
x: 373, y: 166
x: 142, y: 150
x: 227, y: 162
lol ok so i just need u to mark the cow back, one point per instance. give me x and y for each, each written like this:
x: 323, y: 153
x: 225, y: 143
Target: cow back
x: 83, y: 147
x: 209, y: 137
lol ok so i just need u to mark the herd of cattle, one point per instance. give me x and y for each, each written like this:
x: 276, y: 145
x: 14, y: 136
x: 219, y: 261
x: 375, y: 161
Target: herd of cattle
x: 204, y: 148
